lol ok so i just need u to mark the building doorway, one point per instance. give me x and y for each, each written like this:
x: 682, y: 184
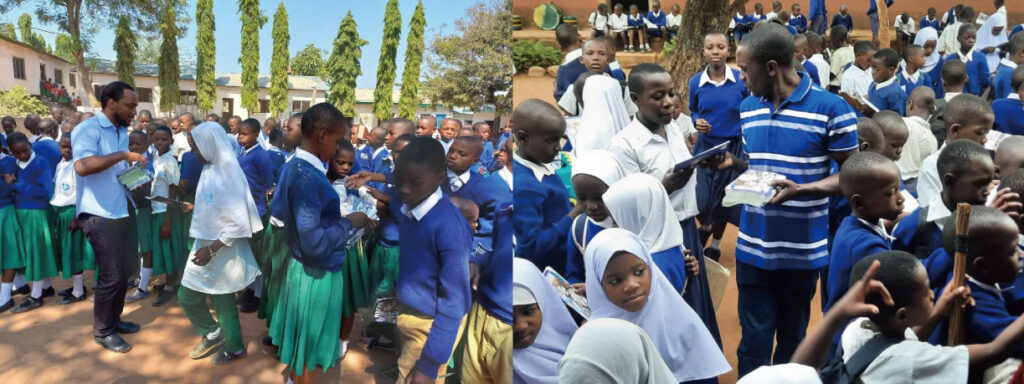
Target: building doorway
x: 227, y: 108
x: 643, y: 5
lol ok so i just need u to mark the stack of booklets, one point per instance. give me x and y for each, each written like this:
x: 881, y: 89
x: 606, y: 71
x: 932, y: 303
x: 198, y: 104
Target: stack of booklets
x: 751, y: 188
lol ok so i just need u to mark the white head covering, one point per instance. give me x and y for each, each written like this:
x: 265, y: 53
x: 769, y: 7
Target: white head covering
x: 602, y: 164
x: 639, y: 203
x: 988, y: 39
x: 538, y: 363
x: 224, y: 207
x: 791, y: 373
x: 923, y: 36
x: 680, y: 336
x: 613, y: 351
x: 604, y: 114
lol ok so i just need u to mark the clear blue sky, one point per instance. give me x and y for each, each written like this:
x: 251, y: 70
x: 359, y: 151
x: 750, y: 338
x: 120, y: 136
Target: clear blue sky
x: 314, y: 22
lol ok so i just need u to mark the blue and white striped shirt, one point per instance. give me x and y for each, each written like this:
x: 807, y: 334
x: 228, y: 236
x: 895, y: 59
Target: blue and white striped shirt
x: 796, y: 140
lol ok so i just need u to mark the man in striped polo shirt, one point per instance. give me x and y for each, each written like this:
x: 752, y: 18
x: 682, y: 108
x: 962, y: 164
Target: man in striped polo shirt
x: 795, y: 128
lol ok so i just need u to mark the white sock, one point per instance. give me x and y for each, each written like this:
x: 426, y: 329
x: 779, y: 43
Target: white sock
x: 46, y: 283
x: 37, y: 289
x: 78, y: 285
x: 144, y: 276
x: 214, y: 334
x: 715, y: 243
x: 5, y: 292
x: 343, y: 346
x: 19, y: 280
x: 257, y: 287
x: 289, y: 381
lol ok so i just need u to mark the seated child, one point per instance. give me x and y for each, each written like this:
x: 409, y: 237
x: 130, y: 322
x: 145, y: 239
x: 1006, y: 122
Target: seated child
x: 895, y: 132
x: 637, y: 30
x: 599, y: 20
x: 675, y: 19
x: 977, y: 66
x: 797, y: 20
x: 74, y: 250
x: 1009, y: 111
x: 912, y: 76
x: 886, y: 93
x: 33, y: 187
x: 656, y: 26
x: 541, y: 327
x: 954, y: 79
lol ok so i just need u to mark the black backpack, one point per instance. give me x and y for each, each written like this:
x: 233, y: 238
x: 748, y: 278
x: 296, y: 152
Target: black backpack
x: 836, y: 371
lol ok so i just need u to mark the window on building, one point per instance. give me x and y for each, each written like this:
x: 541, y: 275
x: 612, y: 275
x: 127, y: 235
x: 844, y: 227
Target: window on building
x: 58, y: 76
x: 187, y: 98
x: 97, y: 89
x: 71, y: 80
x: 264, y: 106
x: 145, y: 94
x: 19, y: 68
x: 42, y: 72
x: 300, y: 105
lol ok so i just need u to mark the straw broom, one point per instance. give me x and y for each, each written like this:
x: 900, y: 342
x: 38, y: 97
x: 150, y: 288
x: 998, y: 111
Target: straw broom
x: 956, y: 318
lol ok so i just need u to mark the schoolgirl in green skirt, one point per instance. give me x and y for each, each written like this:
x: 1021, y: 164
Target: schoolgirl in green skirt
x: 357, y: 289
x: 33, y: 186
x: 169, y: 257
x: 274, y: 267
x: 73, y: 249
x: 11, y: 253
x: 138, y: 142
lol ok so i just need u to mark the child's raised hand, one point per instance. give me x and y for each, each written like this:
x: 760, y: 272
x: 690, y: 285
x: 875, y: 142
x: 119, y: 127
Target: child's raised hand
x: 1008, y: 202
x: 951, y: 297
x: 852, y: 304
x: 702, y: 126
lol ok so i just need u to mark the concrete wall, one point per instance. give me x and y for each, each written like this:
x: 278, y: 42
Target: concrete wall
x: 33, y: 58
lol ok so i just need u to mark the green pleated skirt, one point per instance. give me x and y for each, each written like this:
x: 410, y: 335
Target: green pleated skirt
x: 274, y: 268
x: 307, y: 318
x: 180, y: 224
x: 383, y: 270
x: 357, y: 280
x: 168, y: 257
x: 40, y: 260
x: 75, y: 252
x: 144, y: 221
x: 12, y: 252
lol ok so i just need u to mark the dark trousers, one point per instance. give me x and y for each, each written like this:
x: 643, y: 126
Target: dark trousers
x: 772, y: 305
x: 818, y: 24
x: 115, y: 244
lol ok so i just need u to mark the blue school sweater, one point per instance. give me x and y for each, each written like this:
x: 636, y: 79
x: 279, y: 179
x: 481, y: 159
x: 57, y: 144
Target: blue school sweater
x: 977, y: 72
x: 8, y: 166
x: 1001, y: 85
x: 909, y: 85
x: 575, y: 270
x: 719, y: 105
x: 488, y: 195
x: 486, y: 158
x: 1009, y: 116
x: 854, y: 241
x: 364, y: 159
x: 542, y: 217
x: 314, y: 228
x: 799, y: 22
x: 845, y: 21
x: 567, y: 74
x: 907, y: 227
x: 277, y: 161
x: 812, y: 70
x: 191, y: 169
x: 985, y: 320
x: 935, y: 79
x: 792, y: 31
x: 34, y: 186
x: 873, y: 8
x: 389, y: 223
x: 889, y: 97
x: 672, y: 264
x: 433, y: 275
x: 49, y: 150
x: 925, y: 23
x: 939, y: 266
x: 658, y: 20
x: 259, y: 171
x: 496, y: 268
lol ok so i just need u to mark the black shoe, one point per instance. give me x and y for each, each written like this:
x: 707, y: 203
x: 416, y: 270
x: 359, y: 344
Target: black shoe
x: 114, y: 342
x: 206, y: 347
x: 224, y: 357
x: 10, y: 304
x: 65, y: 292
x: 712, y: 253
x: 24, y: 290
x: 163, y: 297
x: 47, y: 292
x: 135, y: 295
x: 250, y: 305
x: 71, y: 298
x: 125, y: 327
x: 134, y: 282
x: 29, y: 304
x: 267, y: 340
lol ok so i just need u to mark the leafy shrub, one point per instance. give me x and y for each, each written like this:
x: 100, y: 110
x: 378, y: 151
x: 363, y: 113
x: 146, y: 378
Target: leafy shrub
x: 527, y: 54
x: 19, y: 102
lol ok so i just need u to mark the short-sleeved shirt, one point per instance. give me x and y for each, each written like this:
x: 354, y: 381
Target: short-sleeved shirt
x: 640, y: 150
x: 796, y: 140
x: 101, y: 194
x: 910, y: 361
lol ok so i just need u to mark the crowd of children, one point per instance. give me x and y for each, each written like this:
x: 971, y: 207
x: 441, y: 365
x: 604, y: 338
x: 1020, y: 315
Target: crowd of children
x: 299, y: 223
x: 877, y: 147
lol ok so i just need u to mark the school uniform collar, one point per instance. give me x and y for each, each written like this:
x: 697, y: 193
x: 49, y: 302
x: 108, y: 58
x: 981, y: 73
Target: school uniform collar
x: 1013, y: 96
x: 878, y: 228
x: 506, y: 175
x: 254, y: 146
x: 657, y: 14
x: 912, y: 78
x: 311, y: 159
x: 638, y: 16
x: 539, y: 170
x: 996, y: 289
x: 937, y: 211
x: 705, y: 77
x: 573, y: 55
x: 35, y: 138
x: 950, y: 95
x: 378, y: 150
x: 360, y: 147
x: 928, y: 19
x: 458, y: 181
x: 425, y: 206
x: 965, y: 58
x: 1008, y: 63
x: 22, y: 165
x: 44, y: 138
x: 885, y: 83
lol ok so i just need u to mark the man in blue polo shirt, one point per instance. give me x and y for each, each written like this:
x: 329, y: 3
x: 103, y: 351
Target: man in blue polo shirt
x: 795, y: 128
x: 105, y: 212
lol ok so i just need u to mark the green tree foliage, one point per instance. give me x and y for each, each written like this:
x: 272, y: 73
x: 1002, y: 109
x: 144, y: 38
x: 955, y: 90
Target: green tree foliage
x: 343, y: 66
x: 279, y: 63
x: 527, y: 53
x: 382, y: 99
x: 8, y: 30
x: 206, y: 52
x: 64, y: 47
x: 473, y: 66
x: 35, y: 39
x: 309, y: 62
x: 413, y: 60
x: 169, y: 71
x: 149, y: 51
x: 18, y: 102
x: 125, y: 44
x: 252, y: 20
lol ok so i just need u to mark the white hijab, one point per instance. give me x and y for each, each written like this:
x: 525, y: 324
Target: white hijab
x: 538, y: 363
x: 602, y: 164
x: 680, y: 336
x: 988, y: 39
x: 639, y: 203
x: 604, y: 114
x: 224, y: 207
x: 923, y: 36
x: 613, y: 351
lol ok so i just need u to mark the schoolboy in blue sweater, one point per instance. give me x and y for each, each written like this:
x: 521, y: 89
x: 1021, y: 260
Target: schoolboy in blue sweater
x: 33, y: 187
x: 463, y: 182
x: 482, y: 130
x: 886, y: 93
x: 929, y: 20
x: 433, y: 272
x: 977, y: 66
x: 797, y: 20
x: 799, y: 54
x: 543, y: 211
x: 256, y: 163
x: 1004, y: 73
x: 1009, y: 111
x: 46, y: 147
x: 277, y: 155
x: 657, y: 17
x: 911, y: 76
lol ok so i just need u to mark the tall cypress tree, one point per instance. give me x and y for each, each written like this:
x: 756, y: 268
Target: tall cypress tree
x: 206, y: 55
x: 168, y: 68
x: 252, y: 21
x: 125, y: 45
x: 413, y: 59
x: 279, y: 63
x: 343, y: 66
x: 382, y: 100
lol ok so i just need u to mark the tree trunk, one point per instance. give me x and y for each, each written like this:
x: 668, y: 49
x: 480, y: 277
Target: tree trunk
x: 700, y: 18
x: 883, y: 25
x: 74, y: 8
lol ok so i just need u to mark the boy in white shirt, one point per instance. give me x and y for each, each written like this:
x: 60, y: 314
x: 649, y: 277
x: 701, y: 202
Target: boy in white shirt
x: 905, y: 30
x: 617, y: 24
x: 856, y: 78
x: 815, y: 45
x: 673, y: 21
x: 599, y: 20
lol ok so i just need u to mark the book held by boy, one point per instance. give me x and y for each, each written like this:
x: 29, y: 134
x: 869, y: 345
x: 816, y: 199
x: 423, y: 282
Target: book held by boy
x: 752, y: 188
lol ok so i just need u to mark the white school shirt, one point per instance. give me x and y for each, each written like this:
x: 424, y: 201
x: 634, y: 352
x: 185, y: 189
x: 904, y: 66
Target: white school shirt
x: 824, y: 76
x: 673, y: 20
x: 180, y: 145
x: 856, y: 81
x: 617, y: 23
x: 506, y: 175
x: 908, y: 27
x: 573, y: 55
x: 568, y: 101
x: 165, y: 173
x: 920, y: 144
x: 909, y: 361
x: 458, y: 181
x: 639, y: 150
x: 928, y: 183
x: 947, y: 40
x: 598, y: 21
x: 64, y: 192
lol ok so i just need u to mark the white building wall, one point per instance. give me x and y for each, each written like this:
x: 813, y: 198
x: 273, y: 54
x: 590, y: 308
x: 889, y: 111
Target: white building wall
x: 33, y: 58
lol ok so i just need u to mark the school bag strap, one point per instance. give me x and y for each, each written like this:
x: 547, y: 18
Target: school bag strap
x: 836, y: 371
x: 921, y: 242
